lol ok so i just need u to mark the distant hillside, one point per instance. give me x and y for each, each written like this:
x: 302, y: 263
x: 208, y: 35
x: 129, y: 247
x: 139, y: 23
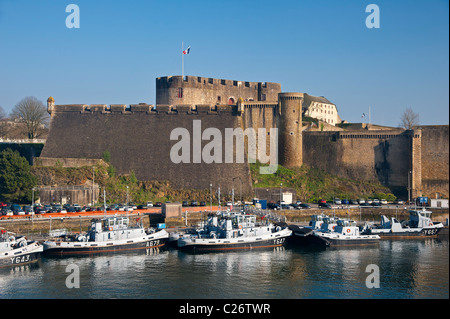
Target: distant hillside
x: 312, y: 184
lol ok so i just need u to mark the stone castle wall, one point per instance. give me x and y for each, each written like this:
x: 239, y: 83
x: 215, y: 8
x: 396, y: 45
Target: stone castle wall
x: 390, y: 157
x: 435, y: 161
x: 377, y: 156
x: 138, y: 139
x: 176, y: 90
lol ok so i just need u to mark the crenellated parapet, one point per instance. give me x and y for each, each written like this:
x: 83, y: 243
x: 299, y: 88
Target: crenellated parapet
x: 142, y: 108
x: 196, y: 89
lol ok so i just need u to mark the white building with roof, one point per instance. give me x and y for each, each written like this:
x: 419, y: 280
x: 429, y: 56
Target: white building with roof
x: 318, y: 107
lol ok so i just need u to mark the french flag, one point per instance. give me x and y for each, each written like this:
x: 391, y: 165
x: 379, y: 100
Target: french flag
x: 187, y: 50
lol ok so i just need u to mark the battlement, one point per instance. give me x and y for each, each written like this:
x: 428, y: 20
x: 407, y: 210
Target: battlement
x: 142, y: 108
x: 196, y: 89
x: 195, y: 81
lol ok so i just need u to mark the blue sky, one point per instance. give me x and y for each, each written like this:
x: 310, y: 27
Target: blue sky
x: 321, y: 47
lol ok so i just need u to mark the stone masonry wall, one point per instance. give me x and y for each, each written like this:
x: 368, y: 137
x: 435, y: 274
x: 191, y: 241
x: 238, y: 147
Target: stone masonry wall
x: 138, y: 140
x: 192, y: 90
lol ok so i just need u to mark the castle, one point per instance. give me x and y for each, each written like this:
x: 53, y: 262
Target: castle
x: 138, y: 137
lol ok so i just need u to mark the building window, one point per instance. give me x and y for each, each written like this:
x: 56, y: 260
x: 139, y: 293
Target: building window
x: 230, y: 101
x: 219, y: 99
x: 263, y: 97
x: 180, y: 93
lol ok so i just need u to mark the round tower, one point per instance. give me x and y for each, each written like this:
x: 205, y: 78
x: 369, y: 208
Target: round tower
x: 290, y: 148
x: 50, y: 104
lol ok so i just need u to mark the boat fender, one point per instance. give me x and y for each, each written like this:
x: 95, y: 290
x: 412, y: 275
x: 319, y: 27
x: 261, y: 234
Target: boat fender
x: 240, y: 226
x: 278, y: 228
x: 348, y: 230
x: 110, y: 228
x: 431, y: 224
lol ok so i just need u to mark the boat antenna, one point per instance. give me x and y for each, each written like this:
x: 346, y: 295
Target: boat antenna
x: 104, y: 201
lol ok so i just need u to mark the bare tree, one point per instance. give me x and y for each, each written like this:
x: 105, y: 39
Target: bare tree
x: 2, y: 123
x: 33, y: 113
x: 2, y: 113
x: 409, y: 119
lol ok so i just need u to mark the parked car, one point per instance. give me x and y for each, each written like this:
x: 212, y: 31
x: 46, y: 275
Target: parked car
x: 376, y: 204
x: 185, y: 203
x: 383, y: 202
x: 337, y: 201
x: 325, y: 205
x: 149, y: 204
x: 400, y: 202
x: 286, y: 206
x: 194, y: 203
x: 299, y: 202
x: 202, y: 204
x: 345, y: 202
x: 303, y: 206
x: 321, y: 201
x: 158, y: 204
x: 8, y: 212
x: 354, y: 202
x: 361, y: 201
x: 272, y: 205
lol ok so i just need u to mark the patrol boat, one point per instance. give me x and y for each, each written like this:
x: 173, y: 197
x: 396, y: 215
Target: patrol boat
x: 237, y: 231
x: 345, y: 233
x: 110, y: 234
x: 18, y: 251
x: 301, y: 235
x: 419, y: 225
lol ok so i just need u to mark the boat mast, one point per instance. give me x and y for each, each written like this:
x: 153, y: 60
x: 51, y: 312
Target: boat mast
x: 104, y: 201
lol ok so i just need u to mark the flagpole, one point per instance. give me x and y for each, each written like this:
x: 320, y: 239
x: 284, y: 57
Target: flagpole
x: 182, y: 61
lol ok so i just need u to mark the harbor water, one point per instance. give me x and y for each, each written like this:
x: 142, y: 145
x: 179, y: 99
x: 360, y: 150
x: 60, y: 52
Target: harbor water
x: 405, y: 269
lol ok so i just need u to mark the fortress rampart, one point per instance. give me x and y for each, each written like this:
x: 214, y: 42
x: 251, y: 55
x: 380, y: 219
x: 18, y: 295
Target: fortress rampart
x: 194, y: 89
x: 138, y: 138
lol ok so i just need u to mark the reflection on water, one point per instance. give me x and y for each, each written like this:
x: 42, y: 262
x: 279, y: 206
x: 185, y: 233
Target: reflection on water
x: 408, y: 269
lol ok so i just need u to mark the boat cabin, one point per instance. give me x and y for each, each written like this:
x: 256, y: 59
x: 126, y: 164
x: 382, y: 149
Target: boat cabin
x: 420, y: 218
x: 346, y: 227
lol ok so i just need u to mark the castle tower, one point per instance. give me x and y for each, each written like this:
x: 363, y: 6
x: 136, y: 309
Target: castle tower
x: 290, y: 129
x: 50, y: 104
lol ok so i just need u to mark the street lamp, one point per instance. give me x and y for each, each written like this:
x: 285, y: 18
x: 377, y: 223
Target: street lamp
x: 281, y: 195
x: 126, y: 206
x: 240, y: 193
x: 409, y: 187
x: 210, y: 196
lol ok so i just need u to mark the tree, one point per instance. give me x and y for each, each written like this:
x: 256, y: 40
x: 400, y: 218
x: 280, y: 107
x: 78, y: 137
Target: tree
x: 33, y: 113
x: 16, y: 179
x: 409, y: 119
x: 2, y: 113
x: 3, y: 128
